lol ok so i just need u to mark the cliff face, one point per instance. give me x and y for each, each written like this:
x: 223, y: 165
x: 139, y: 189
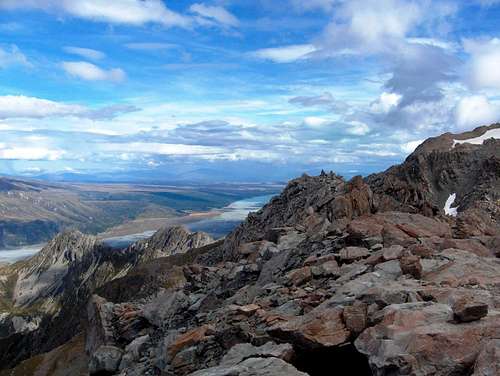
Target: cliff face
x: 440, y: 167
x: 366, y: 277
x: 44, y: 295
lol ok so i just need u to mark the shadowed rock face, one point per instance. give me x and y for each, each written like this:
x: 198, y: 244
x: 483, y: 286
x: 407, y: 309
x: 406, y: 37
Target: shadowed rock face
x: 365, y: 277
x: 437, y: 169
x: 46, y: 293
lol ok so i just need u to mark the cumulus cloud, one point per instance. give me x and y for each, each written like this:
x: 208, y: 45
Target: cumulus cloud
x: 87, y: 53
x: 386, y: 102
x: 484, y: 71
x: 12, y: 56
x: 134, y: 12
x: 91, y: 72
x: 285, y: 54
x: 475, y: 111
x: 213, y: 15
x: 419, y: 72
x: 362, y: 26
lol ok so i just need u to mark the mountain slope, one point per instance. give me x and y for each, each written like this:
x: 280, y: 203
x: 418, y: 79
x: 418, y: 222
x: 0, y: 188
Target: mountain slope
x: 363, y: 277
x: 42, y: 297
x: 440, y: 167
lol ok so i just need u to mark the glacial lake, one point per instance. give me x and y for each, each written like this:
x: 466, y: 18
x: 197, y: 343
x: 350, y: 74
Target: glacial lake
x: 217, y: 226
x: 16, y: 254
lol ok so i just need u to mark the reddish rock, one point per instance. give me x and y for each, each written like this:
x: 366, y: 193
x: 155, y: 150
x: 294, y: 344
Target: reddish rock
x: 420, y: 339
x: 488, y: 361
x: 375, y: 258
x: 300, y: 276
x: 365, y: 227
x: 355, y: 317
x: 319, y: 328
x: 421, y: 250
x: 392, y: 253
x: 394, y: 236
x: 351, y: 254
x: 189, y: 338
x: 470, y: 245
x: 247, y: 310
x: 410, y: 265
x: 314, y: 260
x: 465, y: 309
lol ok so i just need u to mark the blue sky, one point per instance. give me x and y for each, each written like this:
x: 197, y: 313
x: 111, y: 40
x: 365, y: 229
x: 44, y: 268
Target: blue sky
x: 238, y: 89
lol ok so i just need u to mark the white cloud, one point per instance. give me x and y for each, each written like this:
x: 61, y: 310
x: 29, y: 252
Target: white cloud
x: 286, y: 54
x: 358, y: 128
x: 19, y: 106
x: 12, y: 56
x: 91, y: 72
x: 314, y: 121
x: 214, y: 14
x: 362, y: 26
x: 30, y: 153
x: 475, y: 111
x: 485, y: 62
x: 445, y: 45
x: 409, y: 147
x: 386, y: 102
x: 135, y: 12
x: 87, y: 53
x: 161, y: 148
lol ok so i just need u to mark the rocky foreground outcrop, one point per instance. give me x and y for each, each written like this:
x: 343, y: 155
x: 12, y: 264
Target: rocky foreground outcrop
x: 366, y: 277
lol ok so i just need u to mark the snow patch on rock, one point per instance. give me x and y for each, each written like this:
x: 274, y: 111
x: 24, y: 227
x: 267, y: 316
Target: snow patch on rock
x: 492, y: 133
x: 448, y: 210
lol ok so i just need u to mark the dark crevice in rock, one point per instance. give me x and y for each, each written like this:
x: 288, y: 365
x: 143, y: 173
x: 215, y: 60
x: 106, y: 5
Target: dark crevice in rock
x: 340, y: 360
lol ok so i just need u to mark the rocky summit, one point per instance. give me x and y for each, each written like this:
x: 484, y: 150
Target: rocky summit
x: 397, y: 273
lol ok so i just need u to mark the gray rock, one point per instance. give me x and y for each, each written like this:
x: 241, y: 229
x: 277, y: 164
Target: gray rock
x: 240, y: 352
x: 106, y: 359
x: 488, y: 361
x: 253, y: 367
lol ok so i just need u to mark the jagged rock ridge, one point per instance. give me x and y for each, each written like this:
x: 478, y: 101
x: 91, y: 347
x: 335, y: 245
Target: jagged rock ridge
x: 366, y: 277
x: 46, y: 293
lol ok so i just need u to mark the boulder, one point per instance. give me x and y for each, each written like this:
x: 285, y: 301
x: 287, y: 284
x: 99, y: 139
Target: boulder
x: 410, y: 265
x: 466, y: 309
x: 242, y: 351
x: 105, y: 360
x: 421, y: 339
x: 322, y: 327
x: 351, y: 254
x: 355, y: 317
x: 253, y: 367
x: 300, y: 276
x: 488, y: 360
